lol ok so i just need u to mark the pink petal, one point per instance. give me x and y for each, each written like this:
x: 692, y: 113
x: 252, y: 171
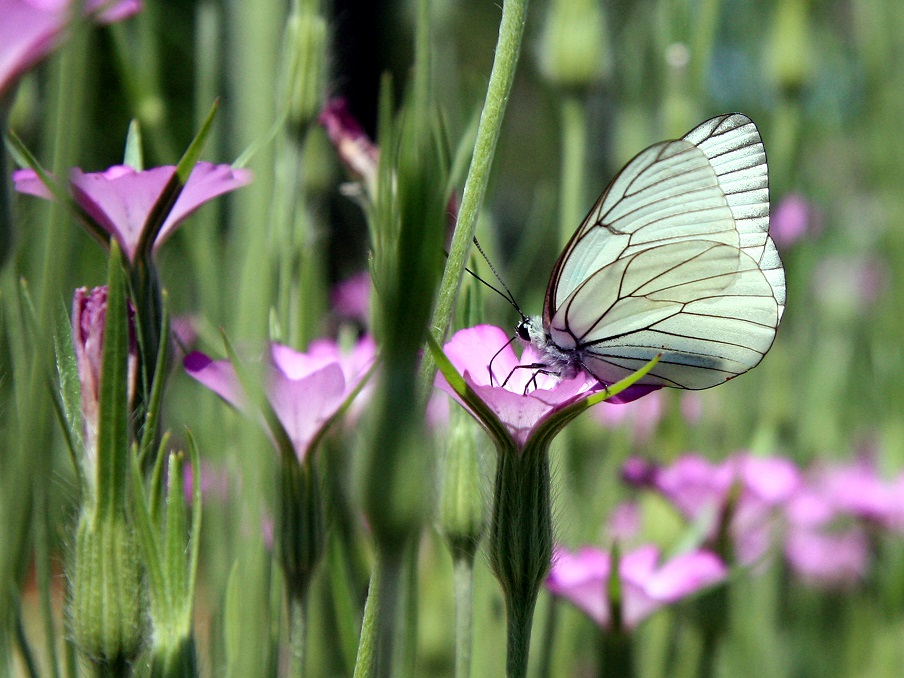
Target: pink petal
x: 304, y: 405
x: 217, y: 375
x: 120, y: 199
x: 206, y: 181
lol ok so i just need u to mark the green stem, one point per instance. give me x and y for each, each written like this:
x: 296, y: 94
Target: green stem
x: 464, y: 613
x: 574, y: 152
x: 297, y: 634
x: 521, y: 542
x: 375, y: 649
x: 508, y: 47
x: 520, y: 623
x: 618, y: 655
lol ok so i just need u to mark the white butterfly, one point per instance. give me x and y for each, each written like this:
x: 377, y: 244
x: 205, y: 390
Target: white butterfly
x: 673, y: 259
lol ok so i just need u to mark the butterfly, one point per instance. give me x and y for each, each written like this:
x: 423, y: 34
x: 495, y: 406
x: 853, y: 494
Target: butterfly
x: 674, y: 259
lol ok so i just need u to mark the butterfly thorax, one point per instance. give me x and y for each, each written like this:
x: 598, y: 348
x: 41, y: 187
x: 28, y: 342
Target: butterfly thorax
x: 564, y: 363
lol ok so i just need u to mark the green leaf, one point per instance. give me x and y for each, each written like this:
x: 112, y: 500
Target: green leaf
x: 154, y: 403
x: 113, y: 416
x: 134, y: 155
x: 173, y: 189
x: 148, y: 543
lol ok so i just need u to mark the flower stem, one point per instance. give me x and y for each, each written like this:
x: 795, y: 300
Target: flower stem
x: 297, y: 634
x: 521, y: 543
x: 375, y: 650
x: 508, y: 47
x: 464, y: 613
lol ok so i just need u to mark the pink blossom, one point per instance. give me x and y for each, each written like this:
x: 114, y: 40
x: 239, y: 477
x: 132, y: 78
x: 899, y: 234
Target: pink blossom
x: 819, y: 551
x: 642, y: 415
x: 750, y: 488
x: 31, y: 29
x: 792, y: 219
x: 529, y: 397
x: 351, y: 298
x: 305, y: 390
x: 120, y: 198
x: 583, y: 577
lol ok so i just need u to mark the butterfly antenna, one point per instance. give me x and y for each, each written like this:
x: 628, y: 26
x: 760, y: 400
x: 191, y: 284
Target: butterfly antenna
x: 507, y: 295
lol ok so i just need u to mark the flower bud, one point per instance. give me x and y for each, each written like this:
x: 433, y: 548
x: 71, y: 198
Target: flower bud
x: 788, y: 62
x: 573, y: 43
x: 107, y: 607
x: 89, y: 315
x: 462, y: 514
x: 305, y: 64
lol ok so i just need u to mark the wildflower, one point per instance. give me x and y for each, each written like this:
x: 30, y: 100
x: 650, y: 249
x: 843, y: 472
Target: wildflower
x: 522, y: 408
x: 31, y: 29
x: 792, y: 219
x: 120, y: 199
x: 351, y: 298
x: 518, y: 393
x: 816, y: 549
x: 582, y: 578
x: 737, y: 498
x: 642, y: 416
x: 305, y: 390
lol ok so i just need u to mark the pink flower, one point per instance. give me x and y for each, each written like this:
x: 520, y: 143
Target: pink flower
x: 31, y: 29
x: 529, y: 397
x: 818, y: 551
x: 583, y: 578
x: 305, y: 390
x: 642, y: 415
x: 351, y: 298
x: 89, y: 314
x: 792, y: 219
x: 751, y: 489
x: 120, y: 198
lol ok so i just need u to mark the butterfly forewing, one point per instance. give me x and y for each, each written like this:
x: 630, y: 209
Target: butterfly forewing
x: 674, y: 259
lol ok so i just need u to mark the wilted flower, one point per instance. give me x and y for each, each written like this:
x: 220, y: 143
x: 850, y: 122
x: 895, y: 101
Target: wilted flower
x: 522, y: 396
x: 356, y: 150
x: 738, y: 497
x: 583, y: 578
x: 120, y: 199
x: 305, y: 390
x: 31, y: 29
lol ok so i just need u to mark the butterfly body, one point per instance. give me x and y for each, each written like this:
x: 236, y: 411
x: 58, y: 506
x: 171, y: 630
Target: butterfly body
x: 675, y: 260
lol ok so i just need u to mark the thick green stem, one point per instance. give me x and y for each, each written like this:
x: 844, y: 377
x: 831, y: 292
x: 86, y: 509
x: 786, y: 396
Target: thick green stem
x: 464, y: 614
x: 297, y: 633
x: 521, y: 543
x: 618, y: 655
x: 375, y: 650
x: 508, y: 47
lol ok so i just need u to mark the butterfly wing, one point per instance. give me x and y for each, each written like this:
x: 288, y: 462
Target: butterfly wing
x: 674, y: 258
